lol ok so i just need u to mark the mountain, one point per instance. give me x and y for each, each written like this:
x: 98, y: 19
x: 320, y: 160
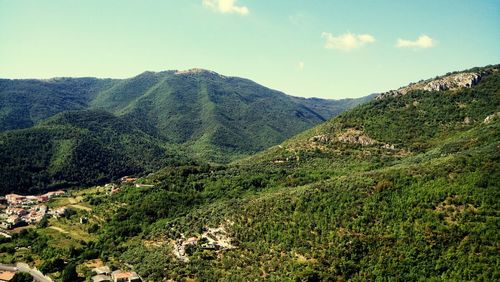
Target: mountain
x: 197, y: 107
x: 79, y: 148
x: 403, y: 187
x: 66, y: 131
x: 25, y: 102
x: 213, y: 115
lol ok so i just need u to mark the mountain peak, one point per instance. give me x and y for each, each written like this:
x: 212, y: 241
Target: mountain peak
x: 197, y: 71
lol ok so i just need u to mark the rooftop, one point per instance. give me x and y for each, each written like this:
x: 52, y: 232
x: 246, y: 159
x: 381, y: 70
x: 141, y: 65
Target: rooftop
x: 6, y: 275
x: 118, y: 274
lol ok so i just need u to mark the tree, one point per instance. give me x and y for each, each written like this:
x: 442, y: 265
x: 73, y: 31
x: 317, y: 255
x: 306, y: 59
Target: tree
x: 69, y: 273
x: 52, y: 265
x: 44, y: 222
x: 22, y: 277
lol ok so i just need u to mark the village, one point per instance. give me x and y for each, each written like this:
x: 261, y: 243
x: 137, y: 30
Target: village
x: 22, y: 210
x: 18, y: 210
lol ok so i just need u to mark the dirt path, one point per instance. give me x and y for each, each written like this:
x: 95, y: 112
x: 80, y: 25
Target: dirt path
x: 59, y: 229
x: 81, y: 207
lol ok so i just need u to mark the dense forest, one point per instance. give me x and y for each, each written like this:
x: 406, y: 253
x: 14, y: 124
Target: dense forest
x: 71, y: 131
x: 401, y: 188
x: 79, y: 148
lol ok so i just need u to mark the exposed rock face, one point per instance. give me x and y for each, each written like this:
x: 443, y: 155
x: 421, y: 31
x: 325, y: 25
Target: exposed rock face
x: 216, y: 239
x: 449, y: 82
x: 389, y: 147
x: 491, y: 117
x: 352, y: 135
x: 320, y: 138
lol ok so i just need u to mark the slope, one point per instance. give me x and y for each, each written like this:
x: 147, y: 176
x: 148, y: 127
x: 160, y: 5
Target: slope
x: 217, y: 118
x: 403, y: 187
x: 25, y: 102
x: 78, y: 148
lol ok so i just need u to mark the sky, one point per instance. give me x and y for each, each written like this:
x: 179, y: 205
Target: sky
x: 322, y: 48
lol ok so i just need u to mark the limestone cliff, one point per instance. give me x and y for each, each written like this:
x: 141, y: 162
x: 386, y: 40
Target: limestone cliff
x: 448, y: 82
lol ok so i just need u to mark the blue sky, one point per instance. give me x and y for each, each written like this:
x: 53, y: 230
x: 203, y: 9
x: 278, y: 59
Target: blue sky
x: 331, y: 49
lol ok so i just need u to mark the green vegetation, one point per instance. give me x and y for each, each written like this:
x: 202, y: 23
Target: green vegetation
x: 22, y: 277
x: 401, y: 188
x: 76, y: 148
x: 69, y: 273
x: 26, y: 102
x: 74, y: 131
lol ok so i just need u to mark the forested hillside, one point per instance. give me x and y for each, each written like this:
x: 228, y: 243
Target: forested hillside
x: 25, y: 102
x: 196, y: 106
x: 402, y: 188
x: 66, y: 131
x: 79, y: 148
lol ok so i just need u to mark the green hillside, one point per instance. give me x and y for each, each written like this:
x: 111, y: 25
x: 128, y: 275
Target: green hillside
x: 401, y: 188
x: 217, y: 118
x: 26, y: 102
x: 78, y: 148
x: 206, y: 116
x: 87, y: 130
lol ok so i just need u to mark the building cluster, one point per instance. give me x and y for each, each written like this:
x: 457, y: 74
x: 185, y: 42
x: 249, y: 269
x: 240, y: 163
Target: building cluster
x: 128, y: 179
x: 113, y: 188
x: 20, y: 200
x: 23, y: 210
x: 104, y: 274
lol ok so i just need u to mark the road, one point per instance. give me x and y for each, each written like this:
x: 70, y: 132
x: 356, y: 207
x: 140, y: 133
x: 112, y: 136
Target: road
x: 23, y: 267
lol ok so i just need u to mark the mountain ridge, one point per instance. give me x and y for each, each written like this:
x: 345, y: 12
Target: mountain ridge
x: 205, y: 116
x: 403, y: 187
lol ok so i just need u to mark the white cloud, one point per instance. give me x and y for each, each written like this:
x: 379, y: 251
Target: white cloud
x: 423, y: 41
x: 226, y: 6
x: 347, y: 41
x: 300, y: 65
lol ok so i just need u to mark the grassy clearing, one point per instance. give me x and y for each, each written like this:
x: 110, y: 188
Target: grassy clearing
x: 59, y: 239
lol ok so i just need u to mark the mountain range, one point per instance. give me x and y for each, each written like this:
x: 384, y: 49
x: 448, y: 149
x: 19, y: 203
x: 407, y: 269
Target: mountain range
x: 63, y: 131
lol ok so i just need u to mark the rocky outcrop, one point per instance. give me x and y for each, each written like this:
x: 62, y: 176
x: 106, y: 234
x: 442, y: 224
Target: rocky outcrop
x: 491, y: 117
x: 352, y: 135
x: 349, y: 135
x: 320, y: 138
x: 448, y: 82
x: 198, y: 71
x: 214, y: 239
